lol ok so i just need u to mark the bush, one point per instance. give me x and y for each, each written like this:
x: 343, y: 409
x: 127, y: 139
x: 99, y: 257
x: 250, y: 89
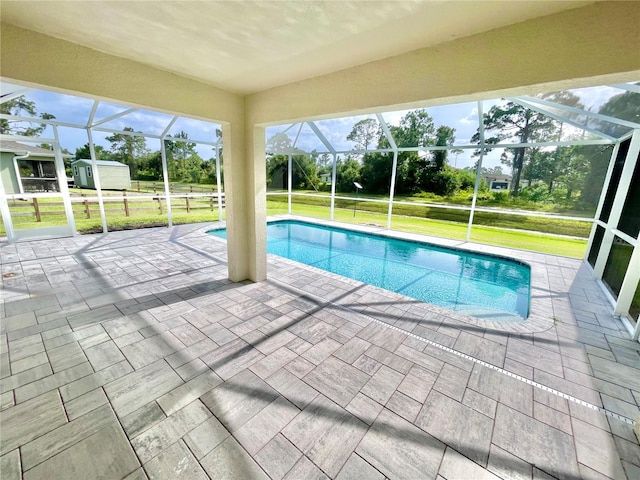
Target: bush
x: 538, y: 192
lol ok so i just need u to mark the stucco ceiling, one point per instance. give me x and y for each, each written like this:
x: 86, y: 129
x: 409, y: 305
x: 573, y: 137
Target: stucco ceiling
x: 247, y: 46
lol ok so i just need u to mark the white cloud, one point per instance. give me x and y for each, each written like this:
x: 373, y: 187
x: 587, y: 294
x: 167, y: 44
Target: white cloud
x: 471, y: 119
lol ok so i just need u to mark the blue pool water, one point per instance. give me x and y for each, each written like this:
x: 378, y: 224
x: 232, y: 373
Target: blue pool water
x: 485, y: 286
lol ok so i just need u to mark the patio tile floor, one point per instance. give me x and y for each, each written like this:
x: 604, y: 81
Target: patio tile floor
x: 131, y: 355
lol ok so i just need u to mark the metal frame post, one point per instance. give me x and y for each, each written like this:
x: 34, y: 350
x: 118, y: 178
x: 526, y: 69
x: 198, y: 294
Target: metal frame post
x: 218, y: 189
x: 478, y: 170
x: 394, y: 166
x: 62, y: 181
x: 96, y: 180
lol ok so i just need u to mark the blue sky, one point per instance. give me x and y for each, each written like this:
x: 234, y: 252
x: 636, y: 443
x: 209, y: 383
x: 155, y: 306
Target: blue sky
x: 463, y: 117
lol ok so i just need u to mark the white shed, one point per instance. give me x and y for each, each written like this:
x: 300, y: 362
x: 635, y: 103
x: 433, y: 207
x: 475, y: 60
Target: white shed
x: 113, y: 175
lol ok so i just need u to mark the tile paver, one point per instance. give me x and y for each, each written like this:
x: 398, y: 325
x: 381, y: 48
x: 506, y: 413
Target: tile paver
x: 136, y: 346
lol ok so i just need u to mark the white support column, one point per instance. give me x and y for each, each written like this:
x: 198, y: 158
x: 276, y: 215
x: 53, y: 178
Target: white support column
x: 16, y: 169
x: 165, y: 179
x: 289, y: 182
x: 394, y: 166
x: 62, y: 182
x: 246, y: 207
x: 392, y: 188
x: 165, y: 170
x: 478, y: 170
x: 334, y: 170
x: 6, y: 214
x: 218, y: 186
x: 96, y: 180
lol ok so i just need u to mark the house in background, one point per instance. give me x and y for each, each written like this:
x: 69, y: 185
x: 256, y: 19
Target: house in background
x: 113, y: 175
x: 27, y: 168
x: 498, y: 182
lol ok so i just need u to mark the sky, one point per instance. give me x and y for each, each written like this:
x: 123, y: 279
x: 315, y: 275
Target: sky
x: 462, y: 117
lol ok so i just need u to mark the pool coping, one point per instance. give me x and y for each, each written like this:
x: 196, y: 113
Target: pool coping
x: 541, y: 312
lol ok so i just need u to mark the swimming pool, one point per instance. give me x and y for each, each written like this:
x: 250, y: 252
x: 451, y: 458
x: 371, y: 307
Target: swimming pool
x: 485, y: 286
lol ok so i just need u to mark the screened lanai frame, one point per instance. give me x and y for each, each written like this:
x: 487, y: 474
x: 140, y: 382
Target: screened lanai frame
x: 603, y: 139
x: 92, y: 125
x: 559, y: 112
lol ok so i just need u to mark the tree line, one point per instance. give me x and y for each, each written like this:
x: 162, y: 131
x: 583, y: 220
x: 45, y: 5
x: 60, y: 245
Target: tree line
x: 183, y: 162
x: 563, y: 173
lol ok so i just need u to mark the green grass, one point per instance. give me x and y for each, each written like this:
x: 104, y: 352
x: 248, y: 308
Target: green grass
x: 536, y: 242
x: 547, y: 224
x: 448, y: 223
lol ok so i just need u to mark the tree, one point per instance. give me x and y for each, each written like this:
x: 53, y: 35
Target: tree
x: 129, y: 149
x: 304, y: 175
x: 324, y: 163
x: 416, y: 130
x: 347, y: 172
x: 456, y: 152
x: 625, y: 106
x: 20, y: 106
x: 183, y: 162
x: 364, y: 133
x: 153, y: 164
x: 279, y: 143
x: 445, y: 136
x: 415, y: 171
x: 542, y: 165
x: 513, y: 120
x: 598, y: 158
x: 85, y: 152
x: 575, y: 168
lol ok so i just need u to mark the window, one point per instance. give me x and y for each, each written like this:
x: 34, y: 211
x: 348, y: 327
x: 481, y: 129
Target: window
x: 75, y: 171
x: 88, y: 171
x: 48, y: 169
x: 630, y: 218
x: 617, y: 263
x: 595, y: 246
x: 615, y: 180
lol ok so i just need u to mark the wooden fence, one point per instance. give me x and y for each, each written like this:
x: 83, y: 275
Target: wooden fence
x: 147, y: 186
x: 124, y: 204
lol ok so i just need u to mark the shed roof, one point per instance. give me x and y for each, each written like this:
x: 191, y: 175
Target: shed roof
x: 100, y: 163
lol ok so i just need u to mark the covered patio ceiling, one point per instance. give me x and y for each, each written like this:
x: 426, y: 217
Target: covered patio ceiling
x: 250, y: 46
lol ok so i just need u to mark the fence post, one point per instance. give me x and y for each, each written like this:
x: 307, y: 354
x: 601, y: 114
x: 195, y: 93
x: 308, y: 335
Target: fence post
x: 86, y: 207
x: 138, y: 186
x: 160, y: 204
x: 211, y: 202
x: 187, y: 200
x: 126, y: 205
x: 37, y: 209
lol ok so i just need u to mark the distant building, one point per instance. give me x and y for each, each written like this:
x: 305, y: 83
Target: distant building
x: 325, y: 178
x: 113, y: 175
x: 27, y: 168
x: 498, y: 182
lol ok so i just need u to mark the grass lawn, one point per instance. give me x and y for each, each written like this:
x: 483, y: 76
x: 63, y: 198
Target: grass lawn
x: 146, y: 213
x: 569, y: 247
